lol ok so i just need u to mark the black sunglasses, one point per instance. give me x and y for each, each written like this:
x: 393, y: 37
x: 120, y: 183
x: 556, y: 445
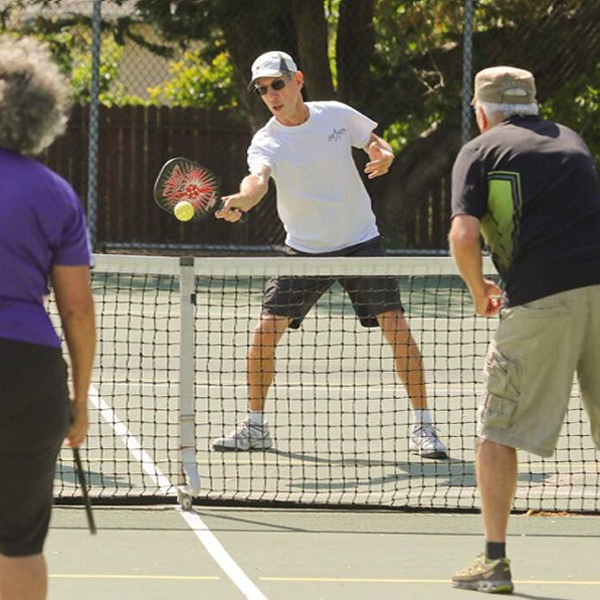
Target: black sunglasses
x: 277, y: 85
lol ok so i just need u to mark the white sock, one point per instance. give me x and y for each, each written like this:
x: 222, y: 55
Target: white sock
x: 256, y: 417
x: 422, y: 417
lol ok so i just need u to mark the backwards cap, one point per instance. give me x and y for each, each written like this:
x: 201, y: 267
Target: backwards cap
x: 505, y: 85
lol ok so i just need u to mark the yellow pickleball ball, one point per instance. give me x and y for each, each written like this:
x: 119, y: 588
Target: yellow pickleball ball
x: 183, y: 210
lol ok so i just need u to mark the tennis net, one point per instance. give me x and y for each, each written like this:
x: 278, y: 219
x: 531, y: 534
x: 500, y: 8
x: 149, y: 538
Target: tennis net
x: 171, y: 377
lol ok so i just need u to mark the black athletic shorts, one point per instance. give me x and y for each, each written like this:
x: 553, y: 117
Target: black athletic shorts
x: 34, y: 420
x: 293, y: 297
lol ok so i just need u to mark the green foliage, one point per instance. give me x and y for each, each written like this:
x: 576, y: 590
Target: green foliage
x: 196, y: 83
x: 577, y: 105
x: 332, y: 14
x: 415, y: 77
x: 400, y: 133
x: 71, y: 50
x: 110, y: 91
x: 63, y: 45
x: 408, y: 36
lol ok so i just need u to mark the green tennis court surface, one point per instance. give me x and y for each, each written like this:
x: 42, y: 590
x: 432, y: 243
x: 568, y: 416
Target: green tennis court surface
x: 171, y: 377
x: 152, y: 553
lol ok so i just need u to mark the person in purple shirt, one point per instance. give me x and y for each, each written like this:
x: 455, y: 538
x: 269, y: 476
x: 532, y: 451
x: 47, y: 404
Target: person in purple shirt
x: 43, y: 240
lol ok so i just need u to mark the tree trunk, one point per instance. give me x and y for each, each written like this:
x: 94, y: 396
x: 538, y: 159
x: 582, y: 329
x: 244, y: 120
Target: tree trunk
x: 258, y: 26
x: 313, y: 61
x: 354, y: 50
x: 414, y: 173
x: 243, y: 49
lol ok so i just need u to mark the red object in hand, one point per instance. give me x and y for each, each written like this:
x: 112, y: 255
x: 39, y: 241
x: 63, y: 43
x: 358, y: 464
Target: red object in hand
x: 494, y: 303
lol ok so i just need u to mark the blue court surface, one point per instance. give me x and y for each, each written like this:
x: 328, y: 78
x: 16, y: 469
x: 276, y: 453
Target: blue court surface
x: 229, y: 553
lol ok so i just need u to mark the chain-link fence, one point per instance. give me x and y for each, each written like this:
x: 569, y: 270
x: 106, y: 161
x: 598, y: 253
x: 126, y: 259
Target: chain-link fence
x: 152, y: 80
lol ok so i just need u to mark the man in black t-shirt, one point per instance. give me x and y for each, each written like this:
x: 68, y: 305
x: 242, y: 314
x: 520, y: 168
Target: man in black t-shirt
x: 530, y: 188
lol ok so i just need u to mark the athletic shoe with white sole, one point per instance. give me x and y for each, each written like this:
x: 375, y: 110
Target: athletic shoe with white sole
x: 425, y: 442
x: 485, y: 575
x: 247, y: 436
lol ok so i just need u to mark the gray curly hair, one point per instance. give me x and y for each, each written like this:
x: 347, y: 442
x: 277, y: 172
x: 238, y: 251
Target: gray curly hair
x: 34, y: 96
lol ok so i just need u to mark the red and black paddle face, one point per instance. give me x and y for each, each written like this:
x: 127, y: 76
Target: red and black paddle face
x: 180, y: 180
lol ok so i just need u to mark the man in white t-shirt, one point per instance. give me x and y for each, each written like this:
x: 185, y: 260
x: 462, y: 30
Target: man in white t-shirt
x: 306, y: 147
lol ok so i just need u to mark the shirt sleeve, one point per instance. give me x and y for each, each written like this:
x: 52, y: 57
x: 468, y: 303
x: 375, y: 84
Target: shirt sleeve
x: 71, y: 247
x: 260, y: 155
x: 469, y: 184
x: 360, y: 126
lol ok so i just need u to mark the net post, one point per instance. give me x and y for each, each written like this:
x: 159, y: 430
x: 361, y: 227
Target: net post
x: 187, y: 419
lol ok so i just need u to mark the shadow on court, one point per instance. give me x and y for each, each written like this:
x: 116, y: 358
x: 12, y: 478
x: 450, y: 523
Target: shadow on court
x: 447, y: 473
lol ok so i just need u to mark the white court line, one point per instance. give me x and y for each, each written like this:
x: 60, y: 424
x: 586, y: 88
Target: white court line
x: 131, y: 443
x: 203, y: 533
x: 216, y: 550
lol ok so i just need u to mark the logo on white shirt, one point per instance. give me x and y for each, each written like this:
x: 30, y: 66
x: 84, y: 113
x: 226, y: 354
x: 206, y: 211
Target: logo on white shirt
x: 337, y: 134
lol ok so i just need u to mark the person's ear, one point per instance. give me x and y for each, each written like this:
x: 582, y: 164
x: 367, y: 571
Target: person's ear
x: 482, y: 121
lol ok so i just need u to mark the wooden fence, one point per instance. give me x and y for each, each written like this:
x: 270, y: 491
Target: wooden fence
x: 133, y: 144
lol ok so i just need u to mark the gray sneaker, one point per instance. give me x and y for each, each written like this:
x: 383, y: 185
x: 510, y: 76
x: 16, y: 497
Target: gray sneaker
x: 484, y: 575
x: 247, y: 436
x: 425, y: 442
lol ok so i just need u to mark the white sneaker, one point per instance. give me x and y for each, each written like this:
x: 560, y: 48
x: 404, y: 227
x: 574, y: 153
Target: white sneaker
x: 425, y: 442
x: 247, y: 436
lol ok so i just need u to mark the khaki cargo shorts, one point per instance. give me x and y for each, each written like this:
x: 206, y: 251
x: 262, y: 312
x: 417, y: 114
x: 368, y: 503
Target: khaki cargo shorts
x: 530, y: 368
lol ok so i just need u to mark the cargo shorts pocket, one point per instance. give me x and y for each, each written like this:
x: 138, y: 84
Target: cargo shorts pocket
x: 501, y: 390
x: 502, y: 374
x: 496, y: 412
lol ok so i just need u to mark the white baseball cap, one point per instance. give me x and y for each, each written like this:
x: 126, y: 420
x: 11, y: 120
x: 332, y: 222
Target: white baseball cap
x: 272, y: 64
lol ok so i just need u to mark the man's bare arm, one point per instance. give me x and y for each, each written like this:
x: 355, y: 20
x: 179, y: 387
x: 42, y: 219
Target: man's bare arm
x: 465, y: 247
x: 253, y: 189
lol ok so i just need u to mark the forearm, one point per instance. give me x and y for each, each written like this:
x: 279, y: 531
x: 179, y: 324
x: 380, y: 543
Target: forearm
x: 467, y: 256
x: 253, y: 189
x: 80, y: 336
x: 465, y: 246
